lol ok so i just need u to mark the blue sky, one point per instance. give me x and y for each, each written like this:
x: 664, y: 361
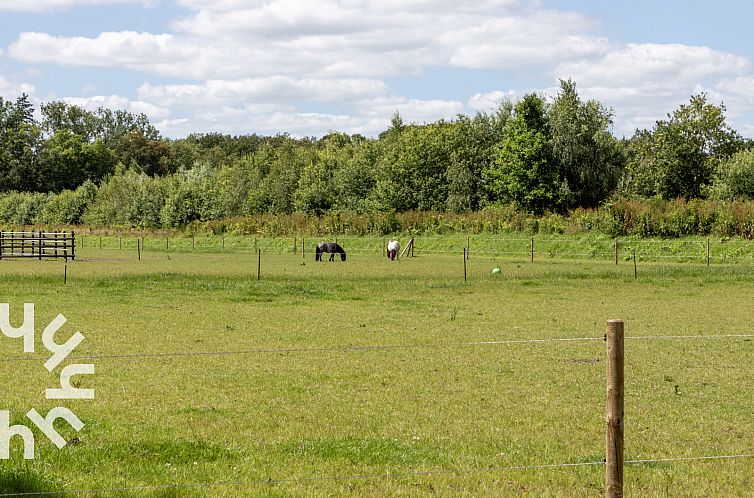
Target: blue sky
x: 310, y: 66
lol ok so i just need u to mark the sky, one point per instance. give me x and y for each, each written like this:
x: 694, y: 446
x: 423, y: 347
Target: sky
x: 308, y: 67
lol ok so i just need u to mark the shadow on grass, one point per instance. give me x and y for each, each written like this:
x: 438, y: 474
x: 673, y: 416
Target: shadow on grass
x: 27, y: 481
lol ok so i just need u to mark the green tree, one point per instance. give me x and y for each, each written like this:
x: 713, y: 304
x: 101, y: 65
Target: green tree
x: 61, y: 116
x: 355, y: 181
x: 67, y: 160
x: 474, y: 143
x: 677, y: 158
x: 411, y: 172
x: 523, y: 172
x: 734, y: 177
x: 317, y: 191
x: 20, y: 137
x: 587, y: 155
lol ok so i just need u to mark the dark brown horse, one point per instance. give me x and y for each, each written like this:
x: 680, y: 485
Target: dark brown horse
x: 332, y: 248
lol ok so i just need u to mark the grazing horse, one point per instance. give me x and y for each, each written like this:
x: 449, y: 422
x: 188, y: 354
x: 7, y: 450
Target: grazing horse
x: 392, y: 249
x: 332, y: 248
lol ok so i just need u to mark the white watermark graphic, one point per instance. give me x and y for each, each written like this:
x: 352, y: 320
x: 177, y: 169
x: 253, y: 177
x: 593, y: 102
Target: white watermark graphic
x: 59, y: 352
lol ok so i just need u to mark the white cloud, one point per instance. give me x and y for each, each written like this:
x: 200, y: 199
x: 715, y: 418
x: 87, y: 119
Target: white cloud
x: 194, y: 108
x: 11, y: 90
x: 38, y: 6
x: 141, y: 51
x: 644, y: 82
x: 116, y: 102
x: 489, y: 102
x: 275, y: 88
x: 306, y: 66
x: 655, y: 63
x: 330, y: 38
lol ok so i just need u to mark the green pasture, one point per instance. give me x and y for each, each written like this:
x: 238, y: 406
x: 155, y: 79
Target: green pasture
x: 303, y: 403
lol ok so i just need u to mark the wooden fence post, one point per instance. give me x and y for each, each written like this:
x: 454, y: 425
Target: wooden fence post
x: 616, y: 251
x: 464, y: 264
x: 532, y: 249
x: 614, y: 415
x: 138, y: 247
x: 259, y: 263
x: 707, y: 252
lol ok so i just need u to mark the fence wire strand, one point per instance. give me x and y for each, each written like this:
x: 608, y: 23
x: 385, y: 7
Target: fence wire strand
x: 373, y: 347
x: 386, y: 475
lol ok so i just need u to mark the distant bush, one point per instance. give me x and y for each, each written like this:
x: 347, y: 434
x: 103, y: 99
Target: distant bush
x: 128, y: 199
x: 67, y: 207
x: 734, y: 178
x: 22, y: 208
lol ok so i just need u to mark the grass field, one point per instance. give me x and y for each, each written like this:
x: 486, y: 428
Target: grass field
x: 302, y: 405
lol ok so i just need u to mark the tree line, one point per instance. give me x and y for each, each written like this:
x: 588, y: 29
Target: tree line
x: 537, y: 155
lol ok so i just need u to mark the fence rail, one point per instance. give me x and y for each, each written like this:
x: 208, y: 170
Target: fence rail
x: 37, y: 245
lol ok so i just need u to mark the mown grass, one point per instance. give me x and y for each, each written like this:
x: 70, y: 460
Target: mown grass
x: 296, y: 403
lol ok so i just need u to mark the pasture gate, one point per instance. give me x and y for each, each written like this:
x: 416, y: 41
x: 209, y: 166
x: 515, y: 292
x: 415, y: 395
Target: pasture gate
x: 37, y: 245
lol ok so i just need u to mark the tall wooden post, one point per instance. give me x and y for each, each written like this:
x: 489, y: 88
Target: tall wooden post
x: 295, y: 245
x: 707, y: 252
x: 464, y: 264
x: 532, y: 249
x: 259, y: 263
x: 614, y: 412
x: 138, y: 248
x: 616, y: 251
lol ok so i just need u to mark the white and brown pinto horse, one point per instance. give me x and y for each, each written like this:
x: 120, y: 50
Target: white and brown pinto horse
x: 392, y: 249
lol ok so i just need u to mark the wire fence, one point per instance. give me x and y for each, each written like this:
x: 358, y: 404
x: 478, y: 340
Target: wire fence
x: 387, y: 475
x: 703, y: 251
x: 362, y: 349
x: 365, y: 347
